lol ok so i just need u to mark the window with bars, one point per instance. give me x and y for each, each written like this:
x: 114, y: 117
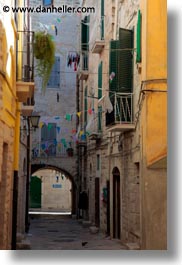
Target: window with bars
x: 54, y: 80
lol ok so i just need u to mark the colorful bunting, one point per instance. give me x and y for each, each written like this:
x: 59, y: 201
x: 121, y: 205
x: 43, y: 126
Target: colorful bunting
x: 58, y: 129
x: 49, y: 126
x: 41, y: 124
x: 90, y: 111
x: 68, y: 117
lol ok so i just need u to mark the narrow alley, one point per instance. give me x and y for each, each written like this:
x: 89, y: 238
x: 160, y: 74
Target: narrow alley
x: 62, y: 232
x: 83, y: 125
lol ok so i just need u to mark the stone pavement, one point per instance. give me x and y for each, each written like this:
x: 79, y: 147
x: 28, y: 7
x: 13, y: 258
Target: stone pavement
x: 64, y: 233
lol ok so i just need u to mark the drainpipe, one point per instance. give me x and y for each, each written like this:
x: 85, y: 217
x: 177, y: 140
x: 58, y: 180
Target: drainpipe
x: 15, y: 177
x: 27, y: 180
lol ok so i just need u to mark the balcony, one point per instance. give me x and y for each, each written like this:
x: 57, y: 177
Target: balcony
x: 25, y: 66
x: 97, y: 37
x: 27, y: 108
x: 84, y: 66
x: 95, y: 136
x: 121, y: 118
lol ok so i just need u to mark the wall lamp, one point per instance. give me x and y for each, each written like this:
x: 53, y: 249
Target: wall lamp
x: 32, y: 121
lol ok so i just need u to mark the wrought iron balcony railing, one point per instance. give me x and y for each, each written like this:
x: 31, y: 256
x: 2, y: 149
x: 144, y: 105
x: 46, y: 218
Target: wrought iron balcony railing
x: 122, y: 109
x: 25, y: 56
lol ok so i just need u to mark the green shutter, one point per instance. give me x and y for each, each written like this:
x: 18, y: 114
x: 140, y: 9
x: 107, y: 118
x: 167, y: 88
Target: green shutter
x: 125, y: 57
x: 35, y: 192
x: 102, y: 19
x: 100, y: 80
x: 99, y: 118
x: 113, y: 62
x: 85, y: 33
x: 138, y: 39
x: 86, y: 106
x: 121, y: 62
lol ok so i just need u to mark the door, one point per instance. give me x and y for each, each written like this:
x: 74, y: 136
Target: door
x: 116, y: 204
x: 97, y: 202
x: 35, y: 192
x: 108, y: 207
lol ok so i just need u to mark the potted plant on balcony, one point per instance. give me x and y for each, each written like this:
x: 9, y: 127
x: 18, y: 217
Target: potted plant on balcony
x: 44, y: 52
x: 69, y: 151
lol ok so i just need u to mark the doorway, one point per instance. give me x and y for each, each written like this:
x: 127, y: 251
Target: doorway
x: 97, y: 202
x: 116, y: 204
x: 35, y: 192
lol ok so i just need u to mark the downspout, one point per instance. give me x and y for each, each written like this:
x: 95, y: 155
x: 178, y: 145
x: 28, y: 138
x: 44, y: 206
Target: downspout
x: 15, y: 178
x: 28, y: 179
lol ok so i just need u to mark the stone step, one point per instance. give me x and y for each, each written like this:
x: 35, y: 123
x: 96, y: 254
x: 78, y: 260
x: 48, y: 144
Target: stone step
x: 86, y: 223
x: 24, y: 244
x: 132, y: 246
x: 93, y: 229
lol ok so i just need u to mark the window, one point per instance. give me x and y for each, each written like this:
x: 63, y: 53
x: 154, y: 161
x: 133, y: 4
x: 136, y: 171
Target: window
x: 138, y: 39
x: 85, y: 33
x: 99, y: 118
x: 48, y: 138
x: 98, y: 162
x: 100, y: 80
x: 85, y: 41
x: 121, y: 62
x: 47, y: 2
x: 99, y: 124
x: 102, y: 19
x: 85, y: 106
x: 54, y: 80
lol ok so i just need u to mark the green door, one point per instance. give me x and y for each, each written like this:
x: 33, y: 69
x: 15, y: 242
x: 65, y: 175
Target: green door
x: 35, y: 192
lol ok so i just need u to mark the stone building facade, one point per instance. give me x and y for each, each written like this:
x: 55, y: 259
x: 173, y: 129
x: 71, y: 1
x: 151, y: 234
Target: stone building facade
x: 55, y: 190
x: 112, y: 160
x: 14, y: 91
x: 57, y: 106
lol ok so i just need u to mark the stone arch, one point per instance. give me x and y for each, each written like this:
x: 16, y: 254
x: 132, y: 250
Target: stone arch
x: 37, y: 167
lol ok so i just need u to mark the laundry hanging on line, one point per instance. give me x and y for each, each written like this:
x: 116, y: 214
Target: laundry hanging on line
x: 73, y: 60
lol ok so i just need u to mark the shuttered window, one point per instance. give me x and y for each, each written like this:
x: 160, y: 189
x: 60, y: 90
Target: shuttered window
x: 54, y: 80
x: 48, y: 139
x: 138, y: 39
x: 121, y: 62
x: 100, y: 80
x: 99, y: 119
x: 102, y: 19
x: 86, y: 106
x: 85, y: 33
x: 48, y: 132
x: 99, y: 124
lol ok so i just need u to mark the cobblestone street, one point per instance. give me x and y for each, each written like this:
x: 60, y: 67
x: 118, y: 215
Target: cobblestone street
x: 64, y: 233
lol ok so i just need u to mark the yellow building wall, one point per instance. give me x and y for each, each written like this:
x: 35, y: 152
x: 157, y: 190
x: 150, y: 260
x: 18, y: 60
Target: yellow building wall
x: 10, y: 124
x: 153, y: 122
x: 154, y: 76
